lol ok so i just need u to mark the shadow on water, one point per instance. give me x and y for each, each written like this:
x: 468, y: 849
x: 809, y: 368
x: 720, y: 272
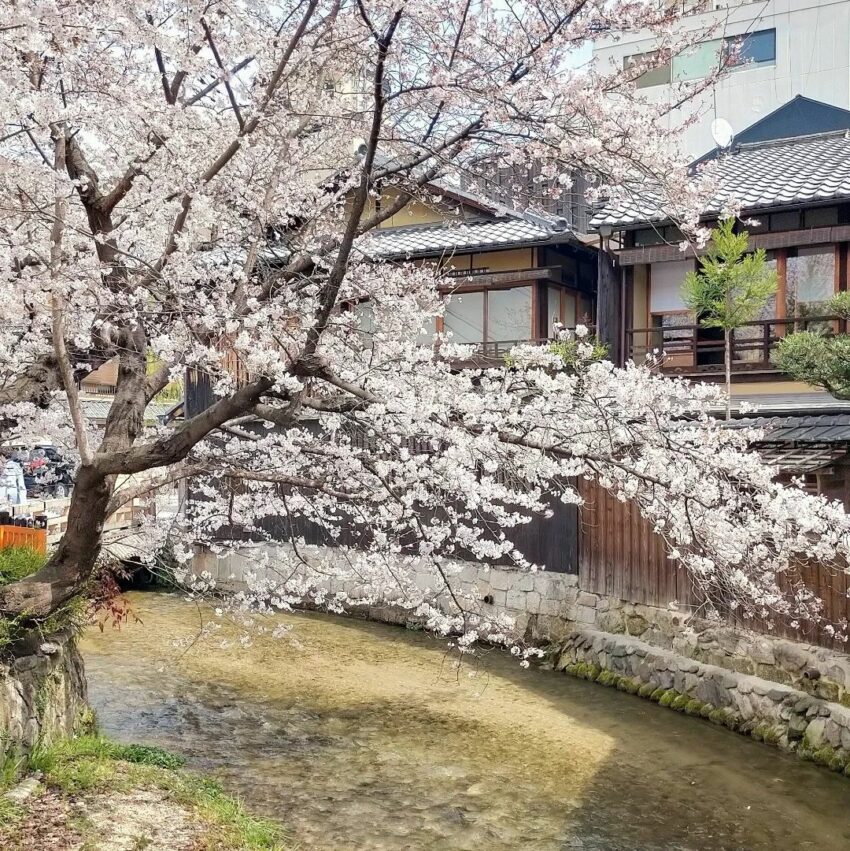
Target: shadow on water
x: 363, y: 736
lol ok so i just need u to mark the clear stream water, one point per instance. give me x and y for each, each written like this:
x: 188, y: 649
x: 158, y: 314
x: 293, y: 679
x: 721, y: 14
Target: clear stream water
x: 364, y: 736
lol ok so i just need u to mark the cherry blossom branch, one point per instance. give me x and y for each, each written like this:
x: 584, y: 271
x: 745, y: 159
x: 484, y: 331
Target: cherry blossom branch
x: 57, y: 302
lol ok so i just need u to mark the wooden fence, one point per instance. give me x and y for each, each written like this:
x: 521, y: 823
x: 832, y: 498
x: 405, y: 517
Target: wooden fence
x: 621, y: 556
x: 56, y: 513
x: 23, y: 536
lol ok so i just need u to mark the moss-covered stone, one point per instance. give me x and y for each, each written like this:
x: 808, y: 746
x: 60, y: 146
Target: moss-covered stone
x: 767, y: 733
x: 838, y: 761
x: 668, y: 697
x: 693, y: 707
x: 592, y: 672
x: 718, y: 716
x: 680, y: 702
x: 732, y: 721
x: 646, y: 690
x: 572, y: 669
x: 580, y: 670
x: 827, y: 690
x: 823, y: 755
x: 772, y: 735
x: 628, y: 685
x: 657, y: 694
x: 706, y: 710
x: 607, y: 678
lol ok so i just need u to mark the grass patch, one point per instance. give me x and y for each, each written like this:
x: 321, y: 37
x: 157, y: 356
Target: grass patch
x: 18, y: 563
x: 91, y: 764
x: 10, y: 813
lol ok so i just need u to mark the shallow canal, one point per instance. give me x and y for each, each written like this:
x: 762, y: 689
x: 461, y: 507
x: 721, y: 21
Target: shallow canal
x: 364, y: 736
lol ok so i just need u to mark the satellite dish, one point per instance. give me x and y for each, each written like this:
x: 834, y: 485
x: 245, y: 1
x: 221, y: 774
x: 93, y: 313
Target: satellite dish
x: 722, y: 133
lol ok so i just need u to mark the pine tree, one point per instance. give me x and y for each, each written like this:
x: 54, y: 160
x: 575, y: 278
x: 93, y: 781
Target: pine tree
x: 730, y: 288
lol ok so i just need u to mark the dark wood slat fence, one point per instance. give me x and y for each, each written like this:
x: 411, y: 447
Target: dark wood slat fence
x: 622, y: 557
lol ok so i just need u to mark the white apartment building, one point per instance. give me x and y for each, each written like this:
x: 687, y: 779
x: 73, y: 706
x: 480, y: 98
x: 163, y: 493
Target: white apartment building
x: 783, y: 48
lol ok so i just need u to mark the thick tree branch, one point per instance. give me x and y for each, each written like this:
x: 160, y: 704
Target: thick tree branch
x: 175, y: 447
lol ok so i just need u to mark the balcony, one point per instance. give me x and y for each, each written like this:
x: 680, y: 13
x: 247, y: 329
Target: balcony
x: 695, y: 351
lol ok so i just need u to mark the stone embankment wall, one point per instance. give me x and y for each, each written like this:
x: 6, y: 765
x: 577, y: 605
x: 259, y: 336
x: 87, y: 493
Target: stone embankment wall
x: 771, y: 712
x: 42, y: 693
x: 786, y: 692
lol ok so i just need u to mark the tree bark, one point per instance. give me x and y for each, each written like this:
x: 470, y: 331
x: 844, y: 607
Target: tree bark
x: 72, y: 563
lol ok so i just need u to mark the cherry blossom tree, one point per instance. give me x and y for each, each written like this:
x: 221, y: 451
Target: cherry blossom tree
x: 196, y: 182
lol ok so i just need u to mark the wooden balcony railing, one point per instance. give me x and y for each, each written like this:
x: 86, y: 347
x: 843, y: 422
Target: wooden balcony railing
x: 497, y: 349
x: 691, y: 349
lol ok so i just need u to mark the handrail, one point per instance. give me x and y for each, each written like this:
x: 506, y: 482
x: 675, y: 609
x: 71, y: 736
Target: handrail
x: 752, y: 343
x: 795, y: 320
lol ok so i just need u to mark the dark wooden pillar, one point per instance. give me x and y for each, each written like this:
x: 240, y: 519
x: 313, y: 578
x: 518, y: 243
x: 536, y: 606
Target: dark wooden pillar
x: 608, y: 307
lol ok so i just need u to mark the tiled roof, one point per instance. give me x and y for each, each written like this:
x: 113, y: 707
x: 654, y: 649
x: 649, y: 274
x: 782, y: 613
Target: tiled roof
x: 448, y: 237
x: 801, y: 444
x: 789, y: 404
x: 825, y: 428
x: 97, y: 408
x: 804, y: 170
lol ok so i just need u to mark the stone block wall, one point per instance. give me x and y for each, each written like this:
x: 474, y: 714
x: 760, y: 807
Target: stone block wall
x: 541, y: 604
x: 778, y: 714
x: 42, y: 694
x: 819, y: 671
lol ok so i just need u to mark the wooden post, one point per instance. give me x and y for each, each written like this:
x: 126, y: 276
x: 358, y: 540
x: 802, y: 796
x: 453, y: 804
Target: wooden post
x: 608, y: 304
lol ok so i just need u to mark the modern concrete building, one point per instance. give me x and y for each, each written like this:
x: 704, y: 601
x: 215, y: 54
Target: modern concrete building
x: 781, y: 48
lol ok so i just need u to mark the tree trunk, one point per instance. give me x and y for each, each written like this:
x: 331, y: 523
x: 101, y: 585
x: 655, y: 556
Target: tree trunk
x: 73, y: 562
x: 727, y: 345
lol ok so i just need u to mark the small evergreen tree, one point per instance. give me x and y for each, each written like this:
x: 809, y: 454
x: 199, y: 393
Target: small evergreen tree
x: 730, y: 288
x: 818, y: 359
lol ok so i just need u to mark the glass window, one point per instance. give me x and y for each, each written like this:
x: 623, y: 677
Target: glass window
x: 569, y: 270
x: 810, y: 280
x: 562, y: 306
x: 749, y: 338
x: 569, y: 310
x: 821, y: 217
x: 698, y: 61
x: 427, y: 331
x: 553, y: 314
x: 750, y: 49
x: 649, y: 236
x: 785, y: 221
x: 365, y: 314
x: 654, y: 76
x: 464, y: 317
x: 509, y: 314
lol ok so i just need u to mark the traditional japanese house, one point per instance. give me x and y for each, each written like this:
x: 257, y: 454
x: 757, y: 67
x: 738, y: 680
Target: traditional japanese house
x: 512, y: 276
x: 791, y: 174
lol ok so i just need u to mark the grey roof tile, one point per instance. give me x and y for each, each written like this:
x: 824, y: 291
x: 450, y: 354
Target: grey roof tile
x: 97, y: 408
x: 760, y: 176
x: 825, y: 428
x: 448, y: 237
